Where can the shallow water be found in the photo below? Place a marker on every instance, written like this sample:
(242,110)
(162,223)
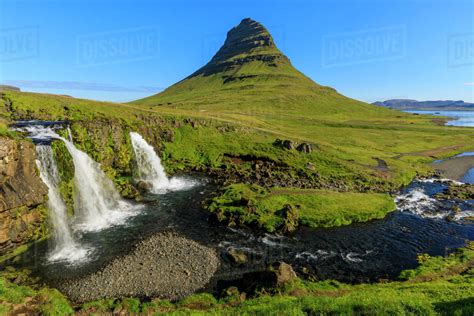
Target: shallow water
(460,118)
(469,177)
(354,253)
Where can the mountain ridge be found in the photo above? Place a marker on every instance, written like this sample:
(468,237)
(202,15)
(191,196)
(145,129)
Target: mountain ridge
(410,104)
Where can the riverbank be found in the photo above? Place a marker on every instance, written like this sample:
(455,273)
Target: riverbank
(455,168)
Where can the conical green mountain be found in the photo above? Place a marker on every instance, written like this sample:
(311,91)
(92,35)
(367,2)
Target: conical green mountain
(250,74)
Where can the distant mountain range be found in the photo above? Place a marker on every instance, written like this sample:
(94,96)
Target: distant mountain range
(407,104)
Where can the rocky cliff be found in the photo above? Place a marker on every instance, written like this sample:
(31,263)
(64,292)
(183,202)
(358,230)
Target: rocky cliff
(22,193)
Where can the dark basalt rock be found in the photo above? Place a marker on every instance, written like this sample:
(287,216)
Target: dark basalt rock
(277,275)
(304,148)
(286,144)
(247,42)
(144,186)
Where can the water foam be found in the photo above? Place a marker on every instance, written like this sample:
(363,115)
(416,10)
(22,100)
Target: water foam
(151,171)
(65,247)
(97,204)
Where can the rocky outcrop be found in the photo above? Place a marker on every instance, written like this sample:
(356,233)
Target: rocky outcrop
(22,194)
(305,148)
(248,42)
(290,145)
(277,275)
(285,144)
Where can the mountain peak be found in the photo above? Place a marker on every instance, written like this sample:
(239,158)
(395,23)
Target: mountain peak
(247,42)
(243,38)
(248,69)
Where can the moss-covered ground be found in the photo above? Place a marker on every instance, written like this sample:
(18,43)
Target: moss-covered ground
(283,209)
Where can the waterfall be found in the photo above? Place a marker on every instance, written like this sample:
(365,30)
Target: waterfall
(97,204)
(149,167)
(69,133)
(65,247)
(151,171)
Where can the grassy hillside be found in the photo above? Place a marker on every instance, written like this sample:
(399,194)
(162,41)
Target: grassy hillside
(250,82)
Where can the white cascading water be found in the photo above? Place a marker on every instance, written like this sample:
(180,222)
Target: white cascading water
(97,205)
(151,171)
(69,134)
(96,202)
(65,247)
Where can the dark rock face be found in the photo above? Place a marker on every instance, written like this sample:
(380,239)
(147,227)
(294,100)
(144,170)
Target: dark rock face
(249,41)
(21,194)
(246,36)
(277,275)
(144,186)
(304,148)
(286,144)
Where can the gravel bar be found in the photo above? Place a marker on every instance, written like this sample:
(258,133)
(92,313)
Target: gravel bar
(164,266)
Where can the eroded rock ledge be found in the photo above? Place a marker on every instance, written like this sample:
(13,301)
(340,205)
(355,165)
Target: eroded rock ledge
(22,194)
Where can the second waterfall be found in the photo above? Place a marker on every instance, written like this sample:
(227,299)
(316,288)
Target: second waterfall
(150,171)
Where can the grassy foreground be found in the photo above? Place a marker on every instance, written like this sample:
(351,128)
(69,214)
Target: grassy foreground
(439,286)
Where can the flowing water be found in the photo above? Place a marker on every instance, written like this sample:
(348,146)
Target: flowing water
(97,204)
(65,248)
(151,171)
(355,253)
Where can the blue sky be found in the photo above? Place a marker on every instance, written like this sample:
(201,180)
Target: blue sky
(123,50)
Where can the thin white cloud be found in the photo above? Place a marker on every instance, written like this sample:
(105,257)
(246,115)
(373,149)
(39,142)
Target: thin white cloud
(469,84)
(73,85)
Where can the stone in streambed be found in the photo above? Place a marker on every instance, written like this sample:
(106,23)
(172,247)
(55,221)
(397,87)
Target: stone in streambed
(237,256)
(144,186)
